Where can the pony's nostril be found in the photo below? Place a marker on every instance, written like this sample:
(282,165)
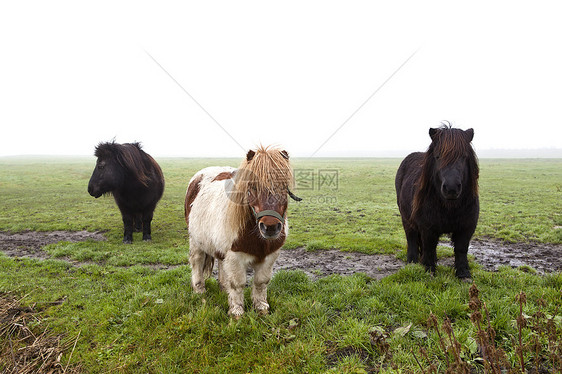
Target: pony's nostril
(262,227)
(278,227)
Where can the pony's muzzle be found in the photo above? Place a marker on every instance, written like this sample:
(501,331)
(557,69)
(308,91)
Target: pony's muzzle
(451,191)
(94,192)
(270,223)
(270,228)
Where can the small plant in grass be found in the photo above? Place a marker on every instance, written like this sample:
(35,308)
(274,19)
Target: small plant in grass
(379,340)
(493,358)
(537,346)
(450,348)
(545,339)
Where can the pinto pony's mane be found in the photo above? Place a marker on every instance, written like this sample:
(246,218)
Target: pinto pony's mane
(448,145)
(130,157)
(266,170)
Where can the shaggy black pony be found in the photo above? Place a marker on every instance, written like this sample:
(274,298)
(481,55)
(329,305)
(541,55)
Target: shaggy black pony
(134,179)
(437,193)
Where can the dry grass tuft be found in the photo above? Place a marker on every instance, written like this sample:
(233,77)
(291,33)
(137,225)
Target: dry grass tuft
(26,347)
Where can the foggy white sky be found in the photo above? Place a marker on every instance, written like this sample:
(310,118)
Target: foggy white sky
(73,74)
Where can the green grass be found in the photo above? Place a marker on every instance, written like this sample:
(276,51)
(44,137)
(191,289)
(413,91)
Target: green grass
(134,318)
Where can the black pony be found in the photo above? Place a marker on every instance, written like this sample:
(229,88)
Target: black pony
(437,193)
(135,180)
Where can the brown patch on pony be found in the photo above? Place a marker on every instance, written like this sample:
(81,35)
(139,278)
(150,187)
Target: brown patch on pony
(190,195)
(251,242)
(222,176)
(264,171)
(449,145)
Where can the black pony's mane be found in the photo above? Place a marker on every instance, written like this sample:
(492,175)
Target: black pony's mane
(130,157)
(448,145)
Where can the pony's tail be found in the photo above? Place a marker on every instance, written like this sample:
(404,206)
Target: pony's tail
(208,266)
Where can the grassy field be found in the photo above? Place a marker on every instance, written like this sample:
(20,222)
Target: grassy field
(128,316)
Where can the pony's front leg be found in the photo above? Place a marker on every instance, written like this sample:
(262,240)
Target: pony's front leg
(429,250)
(234,281)
(461,242)
(128,220)
(262,276)
(221,276)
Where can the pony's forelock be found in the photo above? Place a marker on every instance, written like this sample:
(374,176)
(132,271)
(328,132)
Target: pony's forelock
(268,171)
(449,144)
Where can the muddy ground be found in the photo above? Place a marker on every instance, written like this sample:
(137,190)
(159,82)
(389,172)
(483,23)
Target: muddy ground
(544,258)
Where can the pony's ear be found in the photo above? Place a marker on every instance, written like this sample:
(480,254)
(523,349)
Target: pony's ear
(432,133)
(285,154)
(250,155)
(469,135)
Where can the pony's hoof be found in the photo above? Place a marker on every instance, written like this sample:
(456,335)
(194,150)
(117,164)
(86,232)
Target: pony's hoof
(262,308)
(199,288)
(430,269)
(236,312)
(466,280)
(148,239)
(127,241)
(464,275)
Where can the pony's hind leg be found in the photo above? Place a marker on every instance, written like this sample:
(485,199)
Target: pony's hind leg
(146,224)
(262,276)
(197,259)
(138,223)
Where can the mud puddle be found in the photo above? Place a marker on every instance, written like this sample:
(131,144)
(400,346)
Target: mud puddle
(30,243)
(322,263)
(544,258)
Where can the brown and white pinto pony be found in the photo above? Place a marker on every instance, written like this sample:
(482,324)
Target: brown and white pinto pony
(238,216)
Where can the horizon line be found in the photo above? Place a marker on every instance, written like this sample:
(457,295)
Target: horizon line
(484,153)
